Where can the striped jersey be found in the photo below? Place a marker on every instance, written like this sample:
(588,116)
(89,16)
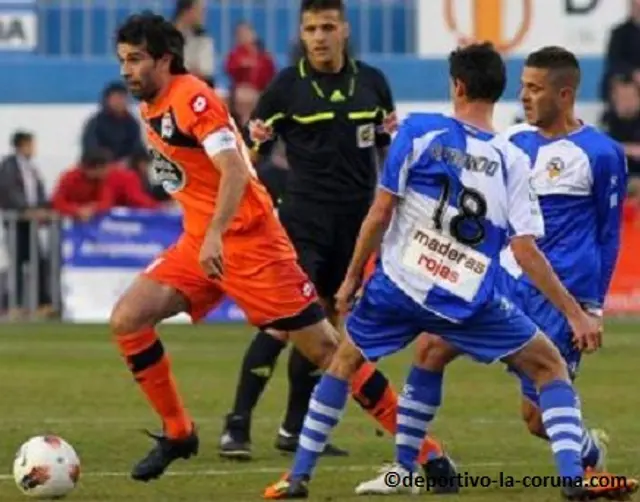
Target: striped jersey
(580,180)
(463,192)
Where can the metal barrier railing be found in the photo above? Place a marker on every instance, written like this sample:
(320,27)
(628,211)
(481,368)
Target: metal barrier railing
(30,286)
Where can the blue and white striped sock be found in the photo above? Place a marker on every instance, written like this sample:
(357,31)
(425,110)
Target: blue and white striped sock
(563,423)
(325,410)
(417,407)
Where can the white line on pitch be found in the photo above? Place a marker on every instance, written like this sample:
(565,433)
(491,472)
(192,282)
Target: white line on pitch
(462,468)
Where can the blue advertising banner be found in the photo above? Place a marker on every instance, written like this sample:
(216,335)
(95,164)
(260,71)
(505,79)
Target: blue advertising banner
(102,257)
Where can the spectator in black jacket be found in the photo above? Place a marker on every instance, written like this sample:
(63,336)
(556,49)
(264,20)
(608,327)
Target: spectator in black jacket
(622,120)
(113,127)
(623,53)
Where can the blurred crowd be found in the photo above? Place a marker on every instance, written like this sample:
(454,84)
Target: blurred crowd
(113,169)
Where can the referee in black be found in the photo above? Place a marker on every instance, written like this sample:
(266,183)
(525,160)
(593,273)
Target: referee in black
(333,114)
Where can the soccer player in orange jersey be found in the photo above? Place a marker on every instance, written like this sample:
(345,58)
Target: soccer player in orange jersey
(233,244)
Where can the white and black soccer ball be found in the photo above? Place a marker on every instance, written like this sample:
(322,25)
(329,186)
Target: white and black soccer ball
(46,467)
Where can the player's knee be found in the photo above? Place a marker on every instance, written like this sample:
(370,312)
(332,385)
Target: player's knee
(541,361)
(433,353)
(124,319)
(118,321)
(322,354)
(346,361)
(318,342)
(317,349)
(552,367)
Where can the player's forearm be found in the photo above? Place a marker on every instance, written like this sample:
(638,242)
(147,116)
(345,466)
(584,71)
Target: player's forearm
(369,240)
(536,266)
(233,183)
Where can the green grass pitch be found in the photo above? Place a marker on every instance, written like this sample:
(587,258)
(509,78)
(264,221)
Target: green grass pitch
(69,380)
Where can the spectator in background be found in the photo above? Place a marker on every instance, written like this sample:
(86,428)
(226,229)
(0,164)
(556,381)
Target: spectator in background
(140,163)
(249,64)
(621,120)
(199,49)
(623,52)
(22,191)
(245,98)
(113,128)
(97,185)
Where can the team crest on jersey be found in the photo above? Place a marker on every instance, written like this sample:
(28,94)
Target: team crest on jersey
(166,173)
(555,167)
(366,135)
(167,127)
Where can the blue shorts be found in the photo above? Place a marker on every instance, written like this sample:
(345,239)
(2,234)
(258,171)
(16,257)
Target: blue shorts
(550,321)
(506,284)
(385,320)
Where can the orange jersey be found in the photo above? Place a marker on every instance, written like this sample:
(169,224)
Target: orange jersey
(186,126)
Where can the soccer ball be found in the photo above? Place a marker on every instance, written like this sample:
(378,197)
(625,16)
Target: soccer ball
(46,467)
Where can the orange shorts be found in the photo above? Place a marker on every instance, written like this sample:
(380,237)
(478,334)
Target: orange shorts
(261,275)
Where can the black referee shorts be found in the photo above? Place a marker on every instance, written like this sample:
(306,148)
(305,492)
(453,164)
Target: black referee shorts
(324,237)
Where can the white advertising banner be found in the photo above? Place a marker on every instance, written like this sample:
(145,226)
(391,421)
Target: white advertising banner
(518,27)
(18,30)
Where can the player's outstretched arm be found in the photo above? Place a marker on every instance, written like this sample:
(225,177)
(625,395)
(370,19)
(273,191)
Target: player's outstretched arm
(369,240)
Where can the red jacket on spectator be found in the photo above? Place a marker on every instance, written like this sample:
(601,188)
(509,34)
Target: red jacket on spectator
(120,187)
(249,65)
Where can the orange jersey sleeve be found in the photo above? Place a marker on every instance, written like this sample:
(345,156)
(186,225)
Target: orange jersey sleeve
(186,129)
(201,113)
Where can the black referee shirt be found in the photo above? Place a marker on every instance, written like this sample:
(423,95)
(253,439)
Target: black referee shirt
(330,124)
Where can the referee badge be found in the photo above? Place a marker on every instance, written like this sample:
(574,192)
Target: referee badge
(366,135)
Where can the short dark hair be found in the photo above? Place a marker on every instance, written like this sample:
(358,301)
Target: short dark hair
(318,5)
(562,63)
(159,36)
(20,138)
(482,71)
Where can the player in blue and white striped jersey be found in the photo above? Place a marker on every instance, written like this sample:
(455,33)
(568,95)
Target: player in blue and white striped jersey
(580,177)
(450,194)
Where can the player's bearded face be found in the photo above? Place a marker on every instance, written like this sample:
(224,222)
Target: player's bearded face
(138,69)
(539,97)
(324,35)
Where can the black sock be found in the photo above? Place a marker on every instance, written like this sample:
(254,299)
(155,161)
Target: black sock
(303,377)
(257,368)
